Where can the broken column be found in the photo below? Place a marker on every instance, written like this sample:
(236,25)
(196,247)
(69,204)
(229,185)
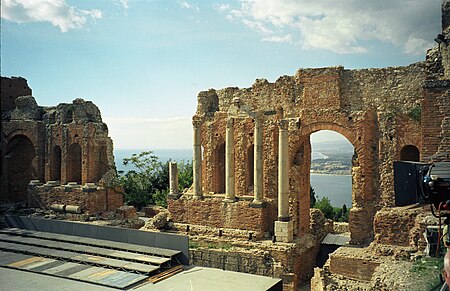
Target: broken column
(283,227)
(173,180)
(197,160)
(229,162)
(257,163)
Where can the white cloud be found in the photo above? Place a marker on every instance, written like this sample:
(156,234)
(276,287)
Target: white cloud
(187,5)
(342,26)
(285,38)
(150,133)
(57,12)
(256,26)
(124,3)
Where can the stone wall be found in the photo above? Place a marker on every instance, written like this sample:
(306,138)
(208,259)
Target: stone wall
(279,261)
(346,262)
(65,143)
(370,107)
(403,226)
(92,199)
(258,264)
(214,212)
(11,89)
(383,112)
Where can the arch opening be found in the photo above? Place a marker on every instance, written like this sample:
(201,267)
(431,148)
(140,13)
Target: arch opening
(219,173)
(101,163)
(74,163)
(250,168)
(410,153)
(56,163)
(19,156)
(333,158)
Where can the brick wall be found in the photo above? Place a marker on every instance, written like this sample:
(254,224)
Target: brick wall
(213,212)
(92,200)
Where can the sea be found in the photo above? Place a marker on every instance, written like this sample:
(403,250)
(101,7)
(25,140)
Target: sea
(338,188)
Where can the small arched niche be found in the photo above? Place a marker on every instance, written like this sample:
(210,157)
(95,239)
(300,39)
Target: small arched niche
(410,153)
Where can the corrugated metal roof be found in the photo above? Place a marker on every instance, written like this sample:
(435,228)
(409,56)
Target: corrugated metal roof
(84,273)
(336,239)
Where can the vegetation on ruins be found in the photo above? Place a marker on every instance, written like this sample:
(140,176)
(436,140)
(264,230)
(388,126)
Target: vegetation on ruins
(428,270)
(416,113)
(148,181)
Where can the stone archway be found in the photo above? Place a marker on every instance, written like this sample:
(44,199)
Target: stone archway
(74,163)
(301,180)
(19,155)
(410,153)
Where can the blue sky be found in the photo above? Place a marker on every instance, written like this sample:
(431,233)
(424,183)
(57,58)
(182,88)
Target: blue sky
(144,62)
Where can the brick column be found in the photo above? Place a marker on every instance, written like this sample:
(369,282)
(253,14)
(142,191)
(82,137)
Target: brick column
(229,162)
(257,163)
(197,160)
(283,227)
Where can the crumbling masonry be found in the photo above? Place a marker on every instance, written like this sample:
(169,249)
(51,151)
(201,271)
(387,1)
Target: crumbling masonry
(66,146)
(252,146)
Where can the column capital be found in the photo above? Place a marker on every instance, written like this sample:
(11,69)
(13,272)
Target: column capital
(283,124)
(196,123)
(230,122)
(258,119)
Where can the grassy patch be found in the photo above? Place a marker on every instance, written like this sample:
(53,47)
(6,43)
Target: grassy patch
(429,269)
(211,246)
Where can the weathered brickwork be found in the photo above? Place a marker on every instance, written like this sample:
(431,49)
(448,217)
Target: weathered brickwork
(403,227)
(388,114)
(215,213)
(92,200)
(262,259)
(367,106)
(64,143)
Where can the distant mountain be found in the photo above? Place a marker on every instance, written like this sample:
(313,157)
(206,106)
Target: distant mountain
(335,147)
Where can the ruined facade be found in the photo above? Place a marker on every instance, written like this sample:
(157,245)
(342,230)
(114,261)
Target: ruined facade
(252,146)
(272,124)
(67,143)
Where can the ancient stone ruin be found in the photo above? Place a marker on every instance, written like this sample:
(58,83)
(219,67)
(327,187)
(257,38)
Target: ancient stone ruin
(60,154)
(252,150)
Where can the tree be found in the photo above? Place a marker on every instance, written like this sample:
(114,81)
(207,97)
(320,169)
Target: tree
(345,213)
(185,175)
(312,197)
(344,208)
(325,206)
(150,176)
(149,182)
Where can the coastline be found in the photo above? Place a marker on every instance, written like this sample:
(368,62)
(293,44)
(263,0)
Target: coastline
(328,174)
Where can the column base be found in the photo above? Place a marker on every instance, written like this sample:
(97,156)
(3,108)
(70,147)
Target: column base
(197,197)
(174,196)
(229,200)
(284,231)
(258,204)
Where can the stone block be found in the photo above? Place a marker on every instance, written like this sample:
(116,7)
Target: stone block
(284,231)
